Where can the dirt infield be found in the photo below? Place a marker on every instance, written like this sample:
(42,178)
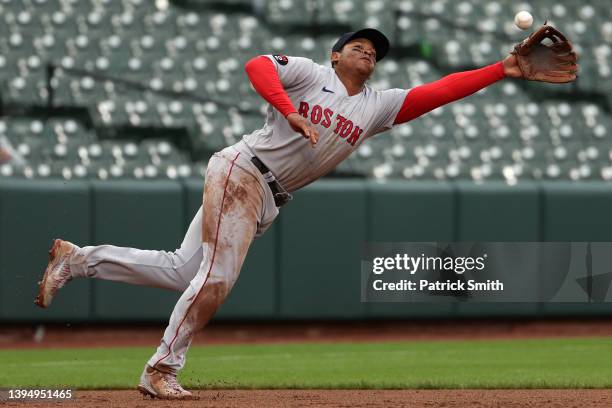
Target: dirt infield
(282,332)
(344,398)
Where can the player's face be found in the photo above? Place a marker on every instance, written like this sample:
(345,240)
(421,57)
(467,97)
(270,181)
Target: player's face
(359,54)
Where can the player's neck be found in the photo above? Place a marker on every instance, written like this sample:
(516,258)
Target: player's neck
(353,83)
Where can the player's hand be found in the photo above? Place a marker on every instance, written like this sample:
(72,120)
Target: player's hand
(301,125)
(511,68)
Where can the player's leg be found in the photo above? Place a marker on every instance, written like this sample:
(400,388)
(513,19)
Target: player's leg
(234,203)
(168,270)
(162,269)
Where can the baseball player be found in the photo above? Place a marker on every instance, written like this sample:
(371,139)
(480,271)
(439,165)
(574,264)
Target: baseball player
(317,117)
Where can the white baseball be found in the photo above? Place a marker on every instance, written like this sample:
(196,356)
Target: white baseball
(523,20)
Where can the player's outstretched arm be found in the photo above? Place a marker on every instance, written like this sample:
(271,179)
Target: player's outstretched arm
(427,97)
(533,59)
(265,80)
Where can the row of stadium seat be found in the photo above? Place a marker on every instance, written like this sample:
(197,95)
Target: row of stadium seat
(444,144)
(67,149)
(144,64)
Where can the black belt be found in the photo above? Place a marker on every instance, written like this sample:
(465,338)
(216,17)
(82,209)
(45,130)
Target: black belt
(281,197)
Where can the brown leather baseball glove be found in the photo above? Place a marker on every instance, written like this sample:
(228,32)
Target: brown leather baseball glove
(547,61)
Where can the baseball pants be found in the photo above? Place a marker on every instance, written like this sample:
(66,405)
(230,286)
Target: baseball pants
(237,207)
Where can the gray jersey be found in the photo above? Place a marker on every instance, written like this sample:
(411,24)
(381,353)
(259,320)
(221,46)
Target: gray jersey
(343,122)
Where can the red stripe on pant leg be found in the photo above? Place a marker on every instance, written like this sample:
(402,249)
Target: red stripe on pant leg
(211,261)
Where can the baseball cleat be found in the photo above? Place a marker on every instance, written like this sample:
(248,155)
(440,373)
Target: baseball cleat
(157,384)
(57,272)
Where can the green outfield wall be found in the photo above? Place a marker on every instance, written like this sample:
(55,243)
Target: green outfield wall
(307,265)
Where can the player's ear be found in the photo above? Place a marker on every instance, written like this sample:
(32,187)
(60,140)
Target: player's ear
(335,56)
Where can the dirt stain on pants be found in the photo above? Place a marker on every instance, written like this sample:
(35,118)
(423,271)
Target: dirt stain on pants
(233,204)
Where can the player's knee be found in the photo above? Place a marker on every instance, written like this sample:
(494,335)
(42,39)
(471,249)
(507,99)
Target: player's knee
(219,285)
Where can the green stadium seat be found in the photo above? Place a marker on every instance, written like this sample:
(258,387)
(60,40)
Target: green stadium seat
(289,12)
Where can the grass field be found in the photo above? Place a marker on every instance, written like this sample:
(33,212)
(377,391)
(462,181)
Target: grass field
(542,363)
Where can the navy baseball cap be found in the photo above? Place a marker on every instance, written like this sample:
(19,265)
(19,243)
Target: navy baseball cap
(380,42)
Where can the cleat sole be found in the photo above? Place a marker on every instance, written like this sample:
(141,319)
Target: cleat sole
(40,298)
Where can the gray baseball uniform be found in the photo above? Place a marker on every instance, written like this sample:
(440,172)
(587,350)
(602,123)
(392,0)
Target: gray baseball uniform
(238,204)
(343,122)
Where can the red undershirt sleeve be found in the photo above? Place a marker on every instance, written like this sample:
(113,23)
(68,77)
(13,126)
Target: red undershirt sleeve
(264,77)
(427,97)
